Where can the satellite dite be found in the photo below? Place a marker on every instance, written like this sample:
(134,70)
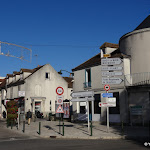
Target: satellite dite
(17,51)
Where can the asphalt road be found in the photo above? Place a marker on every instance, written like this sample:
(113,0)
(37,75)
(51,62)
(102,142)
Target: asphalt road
(59,144)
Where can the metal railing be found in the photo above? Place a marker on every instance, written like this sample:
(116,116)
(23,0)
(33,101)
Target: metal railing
(87,84)
(135,79)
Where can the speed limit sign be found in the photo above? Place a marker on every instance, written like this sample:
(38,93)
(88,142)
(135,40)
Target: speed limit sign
(59,90)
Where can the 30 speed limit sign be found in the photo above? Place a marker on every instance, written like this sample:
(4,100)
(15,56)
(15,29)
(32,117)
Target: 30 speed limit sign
(59,90)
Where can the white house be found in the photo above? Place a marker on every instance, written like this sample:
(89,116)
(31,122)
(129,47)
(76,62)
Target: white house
(38,87)
(88,77)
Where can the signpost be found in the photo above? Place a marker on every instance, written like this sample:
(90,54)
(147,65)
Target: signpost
(83,94)
(111,61)
(111,68)
(112,74)
(107,94)
(59,92)
(60,99)
(111,80)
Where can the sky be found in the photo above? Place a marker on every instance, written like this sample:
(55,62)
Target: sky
(64,33)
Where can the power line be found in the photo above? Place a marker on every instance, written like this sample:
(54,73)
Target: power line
(47,45)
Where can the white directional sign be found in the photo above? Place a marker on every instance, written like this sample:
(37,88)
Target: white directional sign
(106,105)
(83,99)
(106,68)
(111,61)
(112,74)
(83,94)
(21,93)
(111,80)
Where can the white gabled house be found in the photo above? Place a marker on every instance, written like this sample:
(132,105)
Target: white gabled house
(38,86)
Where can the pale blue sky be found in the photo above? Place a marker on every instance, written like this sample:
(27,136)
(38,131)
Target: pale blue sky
(65,33)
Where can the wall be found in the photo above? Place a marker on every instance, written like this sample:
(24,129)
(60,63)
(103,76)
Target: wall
(137,45)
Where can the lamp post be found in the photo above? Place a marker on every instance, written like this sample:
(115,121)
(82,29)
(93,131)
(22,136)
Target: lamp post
(60,72)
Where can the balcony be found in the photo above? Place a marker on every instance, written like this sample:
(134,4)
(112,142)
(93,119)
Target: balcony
(87,84)
(137,79)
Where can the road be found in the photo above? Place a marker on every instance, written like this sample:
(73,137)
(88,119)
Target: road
(59,144)
(10,140)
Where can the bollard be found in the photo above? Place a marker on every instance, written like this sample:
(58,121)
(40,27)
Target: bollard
(63,129)
(122,127)
(7,124)
(91,129)
(11,124)
(23,126)
(39,128)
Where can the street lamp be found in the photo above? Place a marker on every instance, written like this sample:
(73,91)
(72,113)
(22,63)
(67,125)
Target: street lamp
(60,72)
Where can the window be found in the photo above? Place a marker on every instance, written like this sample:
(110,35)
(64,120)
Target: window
(115,110)
(47,75)
(82,107)
(87,78)
(97,109)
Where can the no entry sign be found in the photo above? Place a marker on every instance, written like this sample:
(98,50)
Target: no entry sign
(107,87)
(59,90)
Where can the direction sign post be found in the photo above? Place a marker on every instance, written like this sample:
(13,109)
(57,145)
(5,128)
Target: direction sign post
(111,61)
(111,80)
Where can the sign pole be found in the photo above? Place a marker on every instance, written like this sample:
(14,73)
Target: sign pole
(107,119)
(88,115)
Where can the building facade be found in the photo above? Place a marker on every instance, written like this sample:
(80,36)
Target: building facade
(35,89)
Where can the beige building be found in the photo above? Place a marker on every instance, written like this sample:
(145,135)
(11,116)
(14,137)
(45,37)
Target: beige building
(37,88)
(88,77)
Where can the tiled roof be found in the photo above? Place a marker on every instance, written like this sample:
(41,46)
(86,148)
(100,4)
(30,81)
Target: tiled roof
(26,70)
(96,60)
(69,80)
(112,45)
(16,73)
(9,75)
(2,85)
(144,24)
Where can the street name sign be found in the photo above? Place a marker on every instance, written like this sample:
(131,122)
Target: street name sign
(111,61)
(106,68)
(83,94)
(111,80)
(112,74)
(107,95)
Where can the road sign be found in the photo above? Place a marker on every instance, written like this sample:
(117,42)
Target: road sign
(106,68)
(111,61)
(83,99)
(21,93)
(101,104)
(106,55)
(59,109)
(60,99)
(106,87)
(83,94)
(59,90)
(111,80)
(111,100)
(107,95)
(112,74)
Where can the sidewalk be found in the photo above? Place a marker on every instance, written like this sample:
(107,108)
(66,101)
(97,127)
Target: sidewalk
(80,131)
